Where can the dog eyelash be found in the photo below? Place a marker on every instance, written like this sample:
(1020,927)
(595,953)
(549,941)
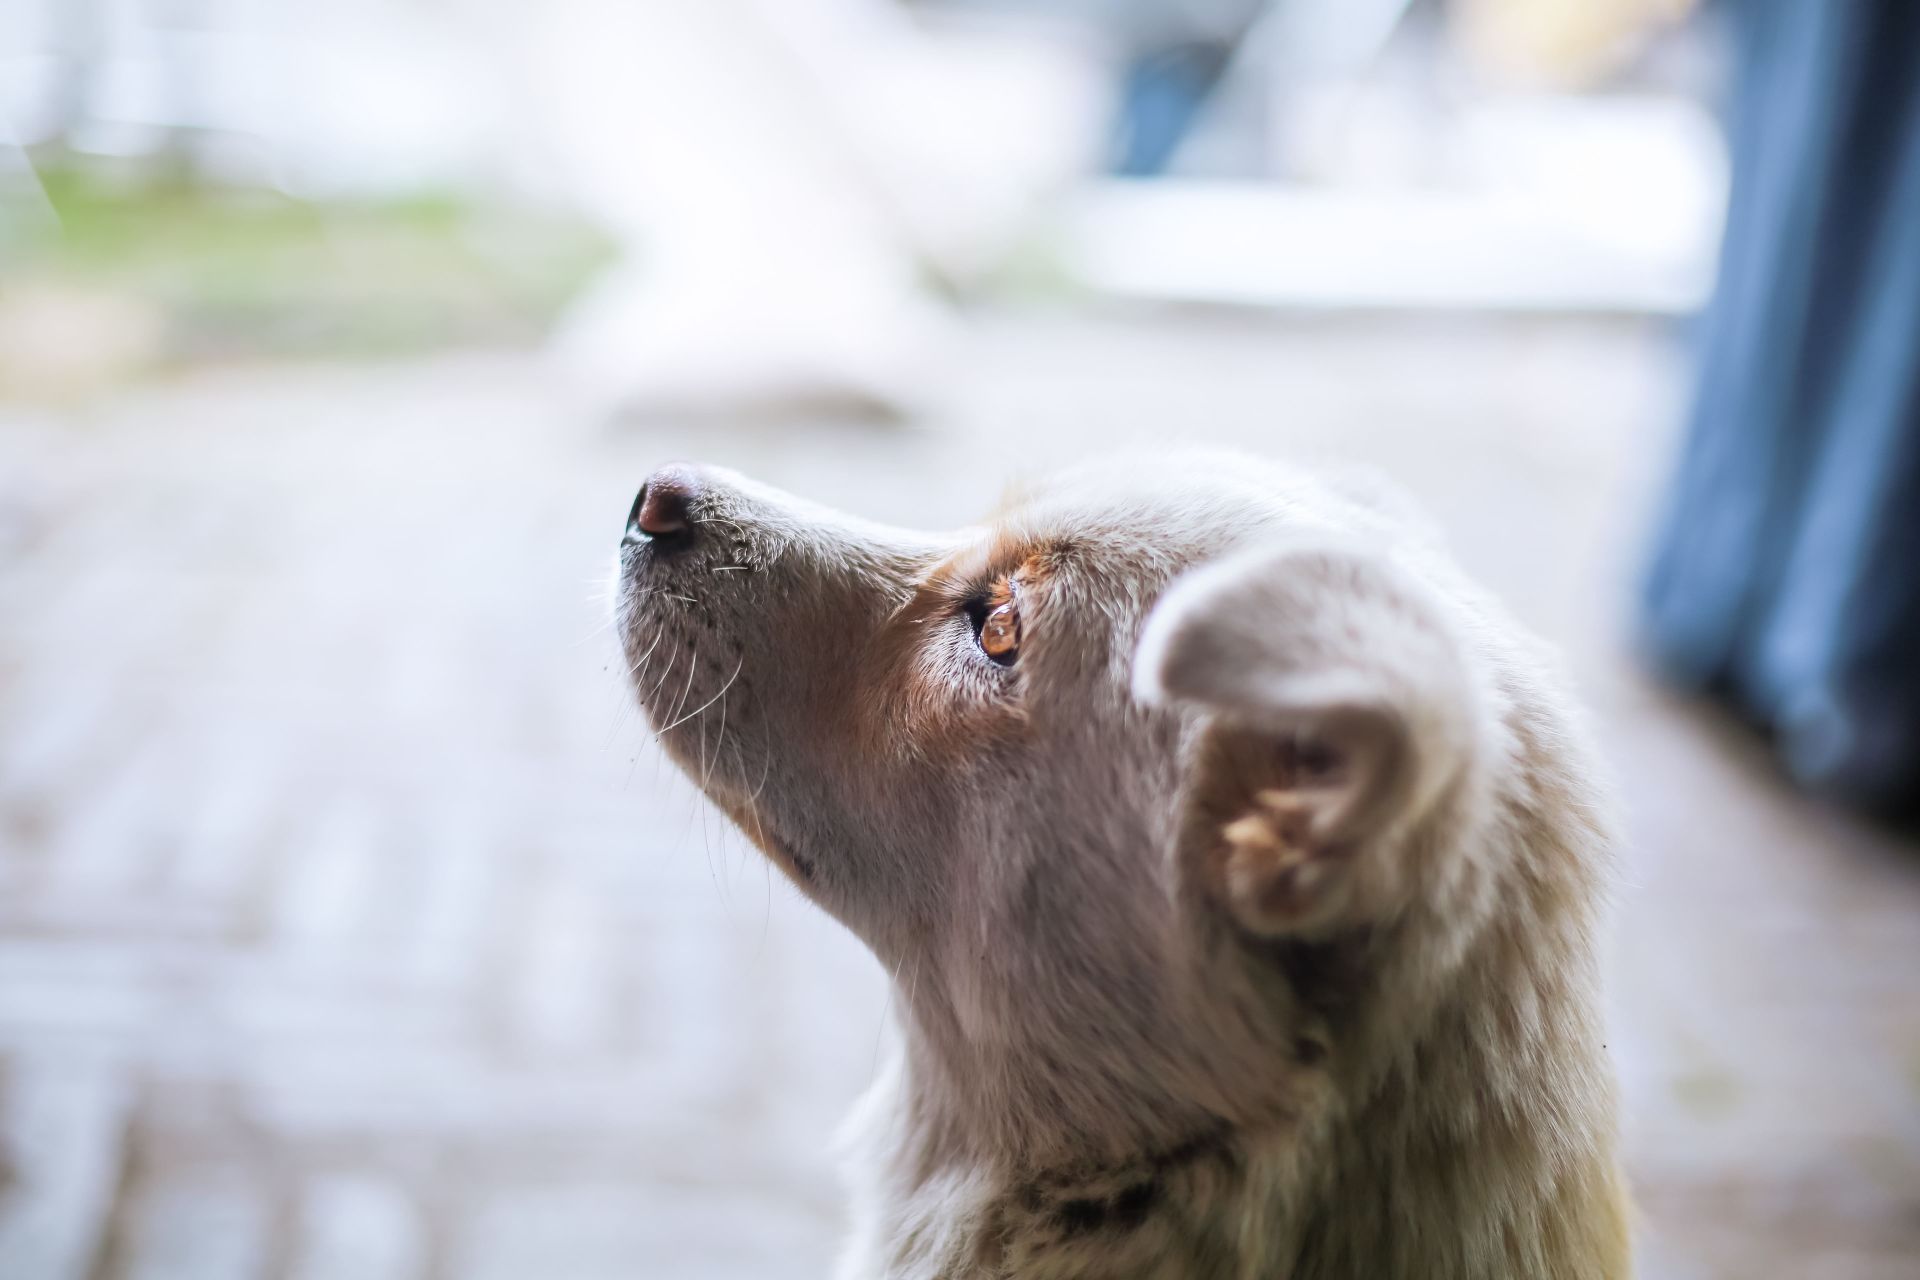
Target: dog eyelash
(994,615)
(976,608)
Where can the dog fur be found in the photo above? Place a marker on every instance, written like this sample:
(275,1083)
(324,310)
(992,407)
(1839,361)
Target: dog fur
(1246,926)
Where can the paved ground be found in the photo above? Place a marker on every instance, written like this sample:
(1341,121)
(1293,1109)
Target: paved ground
(349,930)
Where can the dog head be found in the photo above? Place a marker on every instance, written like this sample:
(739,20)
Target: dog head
(1102,782)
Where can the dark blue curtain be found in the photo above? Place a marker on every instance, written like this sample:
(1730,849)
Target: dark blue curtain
(1786,575)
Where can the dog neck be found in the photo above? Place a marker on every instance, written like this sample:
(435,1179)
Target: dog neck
(1306,1200)
(1207,1204)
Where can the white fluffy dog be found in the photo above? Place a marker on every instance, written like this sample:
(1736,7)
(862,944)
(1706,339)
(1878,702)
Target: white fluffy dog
(1239,862)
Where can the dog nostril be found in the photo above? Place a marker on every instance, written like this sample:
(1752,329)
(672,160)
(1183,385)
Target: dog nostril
(633,515)
(661,510)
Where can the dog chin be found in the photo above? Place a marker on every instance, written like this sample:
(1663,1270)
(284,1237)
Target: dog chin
(778,850)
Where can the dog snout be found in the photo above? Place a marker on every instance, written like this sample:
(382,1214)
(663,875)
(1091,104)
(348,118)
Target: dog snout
(662,511)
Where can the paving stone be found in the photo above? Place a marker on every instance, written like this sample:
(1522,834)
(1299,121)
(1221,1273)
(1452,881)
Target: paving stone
(62,1119)
(201,1226)
(358,1227)
(612,1232)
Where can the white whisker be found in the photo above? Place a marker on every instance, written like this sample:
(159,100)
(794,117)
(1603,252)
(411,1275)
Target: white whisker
(766,769)
(723,520)
(680,720)
(665,672)
(720,738)
(686,690)
(634,672)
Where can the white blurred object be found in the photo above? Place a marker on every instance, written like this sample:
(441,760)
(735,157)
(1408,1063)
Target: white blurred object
(353,96)
(957,128)
(1544,204)
(1562,43)
(780,173)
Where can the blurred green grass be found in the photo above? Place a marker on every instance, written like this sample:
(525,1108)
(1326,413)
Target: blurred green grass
(239,273)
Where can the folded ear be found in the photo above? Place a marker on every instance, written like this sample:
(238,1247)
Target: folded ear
(1341,708)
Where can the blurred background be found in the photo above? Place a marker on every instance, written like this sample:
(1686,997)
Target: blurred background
(351,926)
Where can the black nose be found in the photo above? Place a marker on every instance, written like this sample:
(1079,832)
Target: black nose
(662,510)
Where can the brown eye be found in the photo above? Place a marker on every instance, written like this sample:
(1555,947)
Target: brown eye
(1000,634)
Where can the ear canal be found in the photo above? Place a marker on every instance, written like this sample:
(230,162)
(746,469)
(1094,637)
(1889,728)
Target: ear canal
(1353,768)
(1340,707)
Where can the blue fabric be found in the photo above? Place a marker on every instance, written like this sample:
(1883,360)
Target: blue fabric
(1786,575)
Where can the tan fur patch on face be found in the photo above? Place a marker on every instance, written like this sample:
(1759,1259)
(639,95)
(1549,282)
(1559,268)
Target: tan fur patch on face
(932,701)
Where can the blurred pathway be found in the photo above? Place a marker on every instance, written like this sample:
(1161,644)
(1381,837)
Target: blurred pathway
(351,929)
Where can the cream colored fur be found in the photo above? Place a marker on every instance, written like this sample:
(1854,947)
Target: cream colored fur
(1245,927)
